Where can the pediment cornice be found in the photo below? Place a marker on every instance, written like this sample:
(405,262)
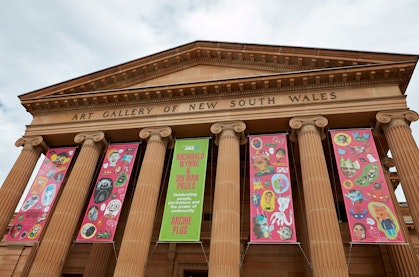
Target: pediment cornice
(292,68)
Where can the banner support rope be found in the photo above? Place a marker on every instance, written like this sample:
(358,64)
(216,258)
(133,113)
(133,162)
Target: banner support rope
(205,255)
(305,256)
(114,251)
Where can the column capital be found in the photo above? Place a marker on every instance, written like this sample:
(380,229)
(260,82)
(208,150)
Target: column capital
(158,134)
(236,127)
(32,142)
(308,123)
(96,137)
(393,118)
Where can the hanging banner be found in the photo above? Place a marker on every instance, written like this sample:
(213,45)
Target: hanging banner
(271,205)
(103,211)
(369,207)
(185,193)
(33,215)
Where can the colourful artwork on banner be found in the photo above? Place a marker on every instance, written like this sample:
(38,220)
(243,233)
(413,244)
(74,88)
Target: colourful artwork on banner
(185,193)
(369,207)
(33,215)
(103,211)
(271,205)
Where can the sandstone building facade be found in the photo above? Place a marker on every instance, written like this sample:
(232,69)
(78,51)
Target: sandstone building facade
(225,91)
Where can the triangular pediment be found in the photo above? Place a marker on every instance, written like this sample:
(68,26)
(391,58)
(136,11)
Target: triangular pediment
(205,67)
(202,73)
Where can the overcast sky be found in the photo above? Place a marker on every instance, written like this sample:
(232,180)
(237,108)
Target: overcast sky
(45,42)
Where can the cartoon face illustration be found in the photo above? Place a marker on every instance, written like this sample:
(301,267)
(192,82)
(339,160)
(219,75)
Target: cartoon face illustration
(355,196)
(103,190)
(358,212)
(112,209)
(255,199)
(285,233)
(378,194)
(261,163)
(15,230)
(342,139)
(387,222)
(359,231)
(35,231)
(93,213)
(122,178)
(60,158)
(279,155)
(349,168)
(113,157)
(261,228)
(268,201)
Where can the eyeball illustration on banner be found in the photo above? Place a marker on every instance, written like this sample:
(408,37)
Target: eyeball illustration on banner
(88,231)
(113,208)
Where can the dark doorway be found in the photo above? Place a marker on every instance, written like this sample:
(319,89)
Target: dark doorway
(195,273)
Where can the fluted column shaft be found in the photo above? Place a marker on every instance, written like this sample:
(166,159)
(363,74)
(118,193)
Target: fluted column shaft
(139,228)
(15,183)
(405,153)
(59,234)
(97,264)
(224,257)
(402,256)
(326,247)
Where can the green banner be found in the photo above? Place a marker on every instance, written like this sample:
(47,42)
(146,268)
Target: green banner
(185,193)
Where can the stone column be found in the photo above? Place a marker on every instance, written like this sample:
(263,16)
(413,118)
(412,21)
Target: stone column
(395,125)
(60,231)
(139,228)
(98,261)
(402,256)
(326,247)
(15,183)
(224,257)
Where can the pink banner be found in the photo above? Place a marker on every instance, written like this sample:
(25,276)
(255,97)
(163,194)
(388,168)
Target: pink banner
(101,218)
(271,205)
(369,207)
(33,215)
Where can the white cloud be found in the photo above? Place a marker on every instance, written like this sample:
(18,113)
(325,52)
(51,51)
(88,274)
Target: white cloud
(45,42)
